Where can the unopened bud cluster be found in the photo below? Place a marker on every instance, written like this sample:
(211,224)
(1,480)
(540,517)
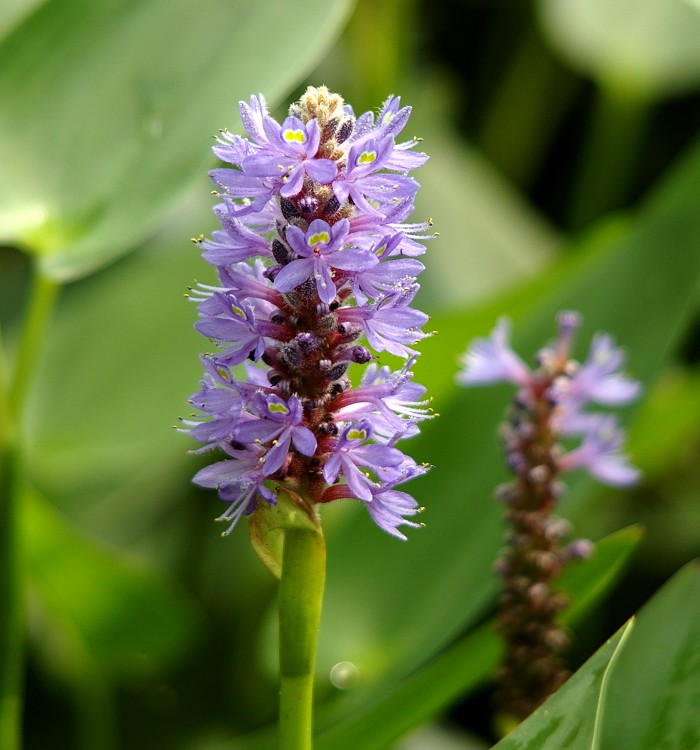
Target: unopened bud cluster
(547,412)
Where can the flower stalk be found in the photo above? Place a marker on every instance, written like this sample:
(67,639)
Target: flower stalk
(300,600)
(547,414)
(314,253)
(13,395)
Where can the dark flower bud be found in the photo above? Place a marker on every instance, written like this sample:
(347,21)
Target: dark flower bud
(271,272)
(308,205)
(331,207)
(337,371)
(289,210)
(307,341)
(281,253)
(345,130)
(329,129)
(349,331)
(361,355)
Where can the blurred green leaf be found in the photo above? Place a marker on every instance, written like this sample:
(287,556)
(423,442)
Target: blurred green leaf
(668,424)
(90,605)
(94,154)
(460,668)
(490,239)
(644,48)
(652,688)
(120,364)
(13,12)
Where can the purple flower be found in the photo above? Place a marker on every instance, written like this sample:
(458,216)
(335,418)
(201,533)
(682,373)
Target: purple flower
(314,251)
(598,379)
(239,481)
(226,320)
(291,148)
(277,421)
(600,455)
(492,360)
(387,506)
(321,249)
(390,324)
(351,452)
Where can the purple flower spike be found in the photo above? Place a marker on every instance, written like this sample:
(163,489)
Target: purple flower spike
(314,252)
(561,389)
(549,407)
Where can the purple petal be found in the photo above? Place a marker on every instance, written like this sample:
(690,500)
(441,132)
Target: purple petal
(321,170)
(304,440)
(277,454)
(324,282)
(294,274)
(492,360)
(353,259)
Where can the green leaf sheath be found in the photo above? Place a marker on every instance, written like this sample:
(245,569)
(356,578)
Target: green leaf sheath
(300,599)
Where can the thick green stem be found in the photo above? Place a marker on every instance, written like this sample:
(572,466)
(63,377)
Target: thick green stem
(13,392)
(300,600)
(41,305)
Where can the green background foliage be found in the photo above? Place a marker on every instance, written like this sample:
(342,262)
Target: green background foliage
(564,174)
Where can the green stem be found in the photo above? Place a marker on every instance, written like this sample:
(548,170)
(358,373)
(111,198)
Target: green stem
(300,599)
(13,393)
(43,297)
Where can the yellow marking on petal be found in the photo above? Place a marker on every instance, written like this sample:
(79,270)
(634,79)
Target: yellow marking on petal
(278,408)
(318,238)
(367,157)
(294,136)
(237,311)
(357,435)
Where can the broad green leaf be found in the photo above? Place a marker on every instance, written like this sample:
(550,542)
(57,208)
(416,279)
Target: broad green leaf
(91,605)
(425,591)
(489,238)
(668,422)
(463,666)
(119,365)
(13,12)
(641,48)
(655,691)
(647,699)
(104,130)
(570,719)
